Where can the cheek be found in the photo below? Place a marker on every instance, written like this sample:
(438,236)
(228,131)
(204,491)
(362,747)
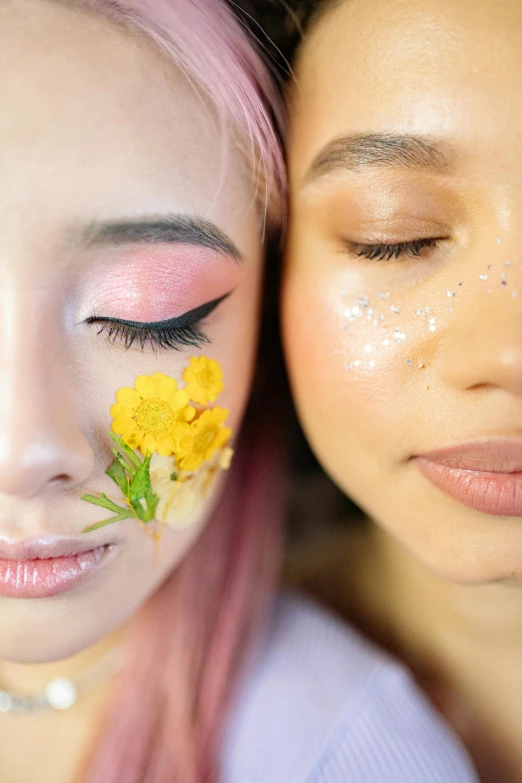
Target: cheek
(347,365)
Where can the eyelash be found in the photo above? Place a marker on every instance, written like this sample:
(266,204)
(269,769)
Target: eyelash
(159,339)
(174,334)
(387,252)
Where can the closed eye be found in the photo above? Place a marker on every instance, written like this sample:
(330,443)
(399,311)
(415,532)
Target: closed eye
(389,252)
(171,334)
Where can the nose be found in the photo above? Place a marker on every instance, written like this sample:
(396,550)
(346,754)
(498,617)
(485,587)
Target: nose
(42,447)
(484,348)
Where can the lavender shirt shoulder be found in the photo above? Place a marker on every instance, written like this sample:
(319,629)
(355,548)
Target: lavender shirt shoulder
(323,705)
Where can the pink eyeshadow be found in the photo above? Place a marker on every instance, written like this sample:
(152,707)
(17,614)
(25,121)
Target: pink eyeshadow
(160,282)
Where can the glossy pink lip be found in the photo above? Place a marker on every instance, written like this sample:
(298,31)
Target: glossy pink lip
(485,475)
(41,568)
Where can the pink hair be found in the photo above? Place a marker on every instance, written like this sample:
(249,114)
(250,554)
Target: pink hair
(190,639)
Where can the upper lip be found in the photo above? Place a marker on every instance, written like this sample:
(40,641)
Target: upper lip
(47,547)
(499,455)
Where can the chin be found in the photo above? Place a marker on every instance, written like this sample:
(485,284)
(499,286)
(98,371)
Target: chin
(472,562)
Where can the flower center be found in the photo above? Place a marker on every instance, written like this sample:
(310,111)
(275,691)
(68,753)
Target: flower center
(155,416)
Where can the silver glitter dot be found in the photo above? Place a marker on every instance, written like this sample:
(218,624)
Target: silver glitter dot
(499,241)
(372,363)
(343,293)
(483,277)
(357,363)
(395,309)
(432,328)
(490,267)
(427,309)
(381,318)
(368,348)
(362,301)
(386,342)
(432,320)
(507,263)
(408,361)
(514,294)
(503,282)
(385,295)
(6,702)
(402,336)
(397,329)
(421,312)
(449,309)
(448,293)
(349,366)
(376,322)
(460,282)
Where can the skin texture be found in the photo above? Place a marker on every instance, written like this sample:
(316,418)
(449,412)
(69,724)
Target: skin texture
(445,576)
(118,134)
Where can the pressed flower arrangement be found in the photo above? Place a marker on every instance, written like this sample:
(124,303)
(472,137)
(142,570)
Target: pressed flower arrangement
(182,446)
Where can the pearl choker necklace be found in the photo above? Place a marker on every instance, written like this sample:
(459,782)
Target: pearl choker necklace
(62,693)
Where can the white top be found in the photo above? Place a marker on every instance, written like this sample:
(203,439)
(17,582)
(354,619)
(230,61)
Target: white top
(321,704)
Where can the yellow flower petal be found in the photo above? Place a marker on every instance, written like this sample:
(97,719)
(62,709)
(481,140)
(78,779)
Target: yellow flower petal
(164,386)
(144,386)
(165,445)
(121,411)
(187,413)
(122,425)
(148,444)
(129,397)
(179,399)
(133,438)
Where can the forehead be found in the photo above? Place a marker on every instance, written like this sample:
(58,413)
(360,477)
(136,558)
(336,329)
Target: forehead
(105,118)
(417,66)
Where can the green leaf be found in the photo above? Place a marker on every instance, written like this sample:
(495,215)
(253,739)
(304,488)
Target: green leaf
(127,467)
(126,450)
(103,501)
(125,514)
(118,473)
(141,489)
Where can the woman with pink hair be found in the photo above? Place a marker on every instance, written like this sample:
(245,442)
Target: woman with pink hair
(141,172)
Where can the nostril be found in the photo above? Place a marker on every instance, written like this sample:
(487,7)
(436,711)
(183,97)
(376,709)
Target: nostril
(61,478)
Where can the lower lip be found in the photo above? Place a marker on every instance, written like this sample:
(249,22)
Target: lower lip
(499,494)
(50,576)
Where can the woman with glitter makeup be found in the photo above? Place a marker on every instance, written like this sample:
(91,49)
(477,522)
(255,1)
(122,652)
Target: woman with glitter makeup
(402,310)
(140,172)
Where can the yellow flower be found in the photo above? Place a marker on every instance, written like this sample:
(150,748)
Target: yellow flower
(205,435)
(204,380)
(154,415)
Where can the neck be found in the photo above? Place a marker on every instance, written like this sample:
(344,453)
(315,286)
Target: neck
(464,643)
(444,620)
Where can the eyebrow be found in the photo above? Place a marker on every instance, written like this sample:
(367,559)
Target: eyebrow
(178,229)
(355,151)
